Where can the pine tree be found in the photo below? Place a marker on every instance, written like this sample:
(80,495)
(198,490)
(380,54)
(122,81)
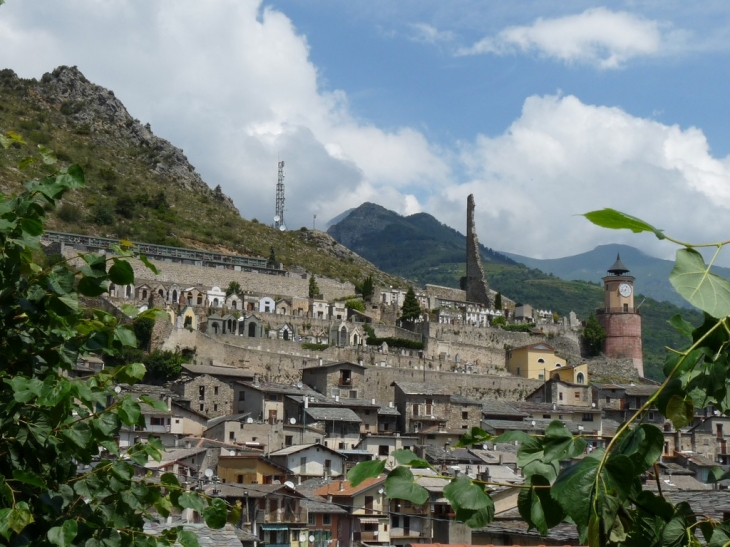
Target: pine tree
(367,288)
(411,308)
(313,287)
(271,262)
(593,336)
(498,301)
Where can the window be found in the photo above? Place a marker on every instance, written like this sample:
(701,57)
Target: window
(239,479)
(202,407)
(383,450)
(415,409)
(312,519)
(608,400)
(541,360)
(302,464)
(580,378)
(587,417)
(215,390)
(368,505)
(626,308)
(430,437)
(429,406)
(577,394)
(201,393)
(541,376)
(157,421)
(241,395)
(289,440)
(215,407)
(327,465)
(465,415)
(560,396)
(327,519)
(231,436)
(547,416)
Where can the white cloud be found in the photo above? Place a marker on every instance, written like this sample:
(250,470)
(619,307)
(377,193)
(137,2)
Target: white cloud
(428,34)
(598,36)
(562,158)
(232,84)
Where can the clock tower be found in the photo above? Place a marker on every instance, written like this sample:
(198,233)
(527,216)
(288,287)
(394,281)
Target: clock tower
(619,318)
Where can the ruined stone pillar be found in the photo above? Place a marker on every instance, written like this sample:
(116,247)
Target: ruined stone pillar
(477,289)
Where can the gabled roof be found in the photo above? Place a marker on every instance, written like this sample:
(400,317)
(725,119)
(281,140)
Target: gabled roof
(618,267)
(539,346)
(419,388)
(322,414)
(343,488)
(317,504)
(285,389)
(300,447)
(217,370)
(229,418)
(497,407)
(462,400)
(330,365)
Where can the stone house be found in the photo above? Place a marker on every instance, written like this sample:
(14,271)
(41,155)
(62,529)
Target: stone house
(343,379)
(421,405)
(562,393)
(586,418)
(536,361)
(266,401)
(388,419)
(284,306)
(241,429)
(382,446)
(207,394)
(310,460)
(367,507)
(251,468)
(322,519)
(341,426)
(620,401)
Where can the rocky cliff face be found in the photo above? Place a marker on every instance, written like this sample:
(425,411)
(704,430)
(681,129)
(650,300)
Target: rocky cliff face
(96,109)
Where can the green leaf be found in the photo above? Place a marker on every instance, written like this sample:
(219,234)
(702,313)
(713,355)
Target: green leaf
(643,445)
(79,434)
(476,435)
(28,477)
(156,404)
(365,470)
(20,517)
(573,489)
(536,506)
(188,539)
(63,535)
(692,280)
(121,272)
(25,162)
(131,373)
(407,457)
(616,220)
(511,436)
(463,493)
(72,177)
(49,158)
(149,264)
(170,481)
(682,325)
(129,411)
(476,518)
(190,500)
(216,514)
(401,484)
(680,410)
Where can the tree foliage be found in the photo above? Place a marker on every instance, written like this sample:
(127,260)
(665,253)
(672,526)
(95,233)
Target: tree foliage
(234,287)
(50,422)
(355,305)
(366,289)
(602,492)
(411,309)
(313,287)
(498,301)
(593,336)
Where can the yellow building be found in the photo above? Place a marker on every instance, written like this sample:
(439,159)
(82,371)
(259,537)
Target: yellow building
(535,361)
(250,469)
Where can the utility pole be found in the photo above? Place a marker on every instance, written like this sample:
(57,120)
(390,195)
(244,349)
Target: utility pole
(279,215)
(314,221)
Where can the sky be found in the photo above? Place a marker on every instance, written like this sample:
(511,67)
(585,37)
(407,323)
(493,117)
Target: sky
(542,109)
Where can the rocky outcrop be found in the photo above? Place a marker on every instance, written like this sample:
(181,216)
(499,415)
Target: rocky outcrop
(477,289)
(96,109)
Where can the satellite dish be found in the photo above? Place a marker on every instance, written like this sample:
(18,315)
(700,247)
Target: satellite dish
(209,473)
(277,218)
(249,420)
(289,484)
(117,389)
(292,421)
(299,385)
(311,539)
(282,228)
(302,537)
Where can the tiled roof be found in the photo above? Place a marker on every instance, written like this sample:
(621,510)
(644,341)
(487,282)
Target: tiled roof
(343,488)
(317,504)
(319,414)
(418,388)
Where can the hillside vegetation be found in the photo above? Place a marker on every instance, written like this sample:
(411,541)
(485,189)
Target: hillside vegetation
(139,186)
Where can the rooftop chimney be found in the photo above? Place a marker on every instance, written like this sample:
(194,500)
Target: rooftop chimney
(342,486)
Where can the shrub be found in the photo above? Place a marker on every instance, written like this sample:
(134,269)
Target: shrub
(69,212)
(314,347)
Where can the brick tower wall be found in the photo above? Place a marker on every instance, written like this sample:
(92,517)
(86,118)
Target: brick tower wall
(623,337)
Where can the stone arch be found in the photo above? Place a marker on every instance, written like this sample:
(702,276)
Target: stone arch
(580,378)
(355,339)
(252,330)
(161,293)
(541,360)
(199,300)
(144,294)
(215,302)
(214,324)
(174,295)
(343,336)
(112,289)
(190,298)
(285,334)
(128,291)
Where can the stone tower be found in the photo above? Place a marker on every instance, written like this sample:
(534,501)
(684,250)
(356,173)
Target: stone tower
(477,289)
(619,318)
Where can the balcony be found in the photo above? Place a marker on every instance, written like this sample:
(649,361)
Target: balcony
(366,536)
(406,533)
(282,517)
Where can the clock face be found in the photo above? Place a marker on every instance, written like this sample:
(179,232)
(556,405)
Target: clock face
(624,289)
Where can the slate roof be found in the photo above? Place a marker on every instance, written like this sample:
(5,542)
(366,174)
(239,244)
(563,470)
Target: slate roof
(496,407)
(299,447)
(462,400)
(386,410)
(229,418)
(207,537)
(419,388)
(286,389)
(330,365)
(544,408)
(321,414)
(317,504)
(217,370)
(343,488)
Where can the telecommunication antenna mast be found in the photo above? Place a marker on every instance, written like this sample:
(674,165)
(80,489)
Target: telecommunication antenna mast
(279,216)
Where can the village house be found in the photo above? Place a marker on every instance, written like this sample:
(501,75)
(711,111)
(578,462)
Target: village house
(341,425)
(310,460)
(251,467)
(323,519)
(367,508)
(342,379)
(536,361)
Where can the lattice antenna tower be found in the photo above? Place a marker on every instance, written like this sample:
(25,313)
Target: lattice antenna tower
(279,215)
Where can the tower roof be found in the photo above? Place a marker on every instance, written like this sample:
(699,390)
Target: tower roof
(618,267)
